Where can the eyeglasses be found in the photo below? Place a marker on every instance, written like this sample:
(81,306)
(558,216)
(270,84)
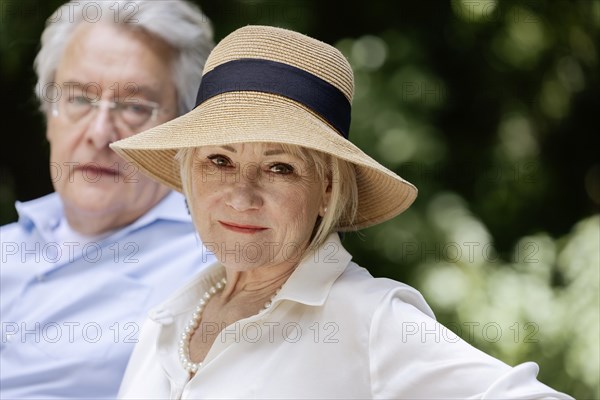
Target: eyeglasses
(135,112)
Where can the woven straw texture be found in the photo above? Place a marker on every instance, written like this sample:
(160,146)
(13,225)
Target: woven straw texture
(243,117)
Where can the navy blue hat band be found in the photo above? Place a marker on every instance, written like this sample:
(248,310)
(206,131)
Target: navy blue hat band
(281,79)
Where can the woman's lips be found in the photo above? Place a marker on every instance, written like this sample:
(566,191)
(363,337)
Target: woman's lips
(242,228)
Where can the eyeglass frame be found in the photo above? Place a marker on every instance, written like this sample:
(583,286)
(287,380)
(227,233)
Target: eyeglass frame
(113,105)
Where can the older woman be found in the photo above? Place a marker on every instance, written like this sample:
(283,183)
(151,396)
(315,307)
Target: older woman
(270,177)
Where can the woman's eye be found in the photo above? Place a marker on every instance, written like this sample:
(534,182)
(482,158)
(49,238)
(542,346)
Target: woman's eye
(220,161)
(280,168)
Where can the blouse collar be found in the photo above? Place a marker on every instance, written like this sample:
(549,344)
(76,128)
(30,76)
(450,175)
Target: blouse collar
(309,284)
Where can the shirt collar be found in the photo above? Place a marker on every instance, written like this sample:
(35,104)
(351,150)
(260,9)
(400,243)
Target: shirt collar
(309,284)
(171,208)
(45,213)
(189,295)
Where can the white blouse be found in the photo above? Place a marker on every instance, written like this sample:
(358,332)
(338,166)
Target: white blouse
(333,331)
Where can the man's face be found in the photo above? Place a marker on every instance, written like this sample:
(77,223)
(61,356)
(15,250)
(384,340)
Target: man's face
(103,62)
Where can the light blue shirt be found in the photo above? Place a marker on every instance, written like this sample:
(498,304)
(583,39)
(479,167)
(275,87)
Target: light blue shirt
(71,311)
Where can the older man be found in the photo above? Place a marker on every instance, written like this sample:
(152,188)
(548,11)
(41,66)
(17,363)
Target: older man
(82,266)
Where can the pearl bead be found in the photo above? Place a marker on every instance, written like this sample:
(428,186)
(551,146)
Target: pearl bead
(194,322)
(192,325)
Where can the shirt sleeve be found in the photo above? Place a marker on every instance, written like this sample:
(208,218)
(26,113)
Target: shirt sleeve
(413,356)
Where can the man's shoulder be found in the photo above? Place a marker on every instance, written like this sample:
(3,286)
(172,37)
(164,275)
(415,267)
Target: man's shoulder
(10,232)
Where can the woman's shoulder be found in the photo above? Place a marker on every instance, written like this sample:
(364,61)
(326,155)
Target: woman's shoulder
(358,286)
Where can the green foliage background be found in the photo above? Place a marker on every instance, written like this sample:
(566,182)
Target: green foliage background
(487,107)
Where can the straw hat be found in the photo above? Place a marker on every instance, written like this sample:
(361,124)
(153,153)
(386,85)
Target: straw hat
(266,84)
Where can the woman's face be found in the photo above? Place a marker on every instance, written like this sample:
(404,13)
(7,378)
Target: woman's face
(254,204)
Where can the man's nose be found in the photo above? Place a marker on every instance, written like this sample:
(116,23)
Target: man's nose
(102,130)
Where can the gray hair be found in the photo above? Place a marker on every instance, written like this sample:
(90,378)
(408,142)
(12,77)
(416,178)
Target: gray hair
(178,23)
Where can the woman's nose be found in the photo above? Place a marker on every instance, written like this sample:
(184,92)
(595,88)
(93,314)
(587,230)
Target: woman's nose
(244,196)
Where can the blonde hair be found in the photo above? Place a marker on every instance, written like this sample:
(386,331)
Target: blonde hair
(343,201)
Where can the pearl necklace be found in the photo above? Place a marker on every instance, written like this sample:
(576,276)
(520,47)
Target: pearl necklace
(194,322)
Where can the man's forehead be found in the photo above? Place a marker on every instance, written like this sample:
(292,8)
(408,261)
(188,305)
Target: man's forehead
(114,58)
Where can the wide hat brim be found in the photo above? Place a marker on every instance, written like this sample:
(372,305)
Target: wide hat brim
(244,117)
